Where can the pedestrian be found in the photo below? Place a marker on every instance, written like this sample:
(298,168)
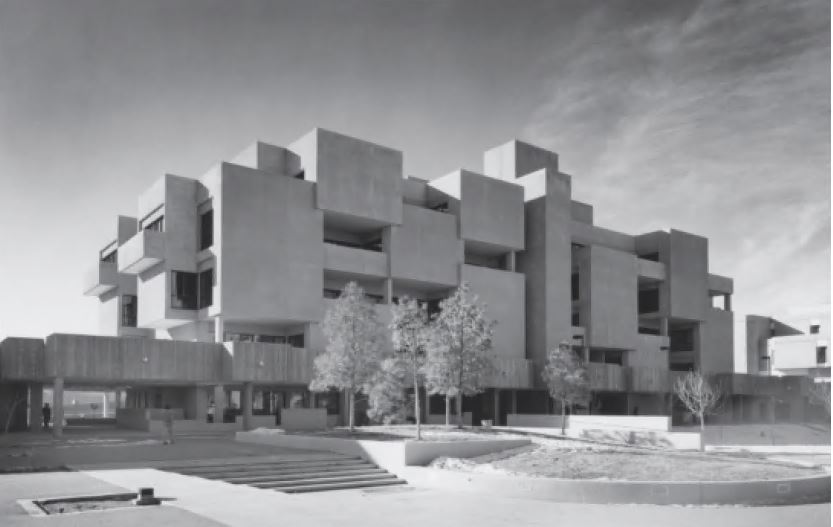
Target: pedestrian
(169,425)
(210,415)
(46,412)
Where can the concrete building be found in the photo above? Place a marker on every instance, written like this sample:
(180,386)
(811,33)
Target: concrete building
(214,291)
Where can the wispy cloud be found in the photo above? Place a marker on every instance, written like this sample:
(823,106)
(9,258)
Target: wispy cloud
(714,120)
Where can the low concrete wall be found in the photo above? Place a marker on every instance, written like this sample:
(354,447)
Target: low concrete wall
(439,419)
(133,418)
(656,423)
(258,421)
(757,492)
(675,440)
(391,455)
(304,419)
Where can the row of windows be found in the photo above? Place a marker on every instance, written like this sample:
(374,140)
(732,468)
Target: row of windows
(296,341)
(206,239)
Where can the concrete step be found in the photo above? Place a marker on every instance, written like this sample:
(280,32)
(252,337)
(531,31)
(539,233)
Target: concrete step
(297,475)
(257,462)
(239,469)
(324,480)
(342,486)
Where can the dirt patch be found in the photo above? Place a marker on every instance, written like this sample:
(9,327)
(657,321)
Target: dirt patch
(403,432)
(93,503)
(602,463)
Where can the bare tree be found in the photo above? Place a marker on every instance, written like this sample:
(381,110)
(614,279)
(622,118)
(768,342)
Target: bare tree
(566,379)
(11,408)
(820,395)
(698,396)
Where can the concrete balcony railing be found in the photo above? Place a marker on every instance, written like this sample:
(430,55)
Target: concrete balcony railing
(650,269)
(101,278)
(511,373)
(141,252)
(607,377)
(268,363)
(355,260)
(650,380)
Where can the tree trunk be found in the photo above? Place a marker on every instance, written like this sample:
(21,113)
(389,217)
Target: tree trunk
(702,432)
(351,404)
(416,407)
(459,410)
(563,418)
(11,409)
(447,411)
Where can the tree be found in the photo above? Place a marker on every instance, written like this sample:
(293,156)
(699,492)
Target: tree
(697,395)
(566,379)
(460,339)
(387,401)
(409,328)
(820,395)
(354,347)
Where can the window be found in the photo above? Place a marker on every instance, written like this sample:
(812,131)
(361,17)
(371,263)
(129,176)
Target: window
(648,300)
(109,257)
(206,288)
(654,257)
(156,225)
(206,229)
(574,285)
(299,175)
(129,308)
(821,354)
(332,293)
(329,400)
(814,329)
(183,290)
(296,341)
(648,331)
(441,207)
(575,319)
(682,339)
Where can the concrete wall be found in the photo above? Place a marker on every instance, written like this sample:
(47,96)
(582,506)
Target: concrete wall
(515,158)
(611,286)
(304,418)
(22,358)
(688,271)
(491,211)
(426,248)
(716,339)
(268,363)
(272,249)
(503,294)
(757,335)
(354,177)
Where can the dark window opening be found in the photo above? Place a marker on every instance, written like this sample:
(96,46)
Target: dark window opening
(682,366)
(183,290)
(206,288)
(109,257)
(654,257)
(156,225)
(330,401)
(373,245)
(376,299)
(441,207)
(481,260)
(574,286)
(332,293)
(206,229)
(648,300)
(814,329)
(271,339)
(575,320)
(129,309)
(296,341)
(821,355)
(230,336)
(681,339)
(648,331)
(299,175)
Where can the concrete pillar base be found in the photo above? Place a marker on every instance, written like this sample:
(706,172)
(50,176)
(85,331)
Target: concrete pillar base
(58,407)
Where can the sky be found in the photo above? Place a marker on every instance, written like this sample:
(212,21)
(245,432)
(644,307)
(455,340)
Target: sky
(712,117)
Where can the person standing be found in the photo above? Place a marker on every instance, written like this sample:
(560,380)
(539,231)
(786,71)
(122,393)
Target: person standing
(169,424)
(210,415)
(46,413)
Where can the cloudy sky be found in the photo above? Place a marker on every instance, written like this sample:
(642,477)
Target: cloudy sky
(708,116)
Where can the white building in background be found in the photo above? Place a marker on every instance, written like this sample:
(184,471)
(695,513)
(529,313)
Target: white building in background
(807,353)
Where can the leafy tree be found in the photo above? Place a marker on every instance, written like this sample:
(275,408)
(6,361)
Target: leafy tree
(409,327)
(354,347)
(458,349)
(820,395)
(697,395)
(566,379)
(387,401)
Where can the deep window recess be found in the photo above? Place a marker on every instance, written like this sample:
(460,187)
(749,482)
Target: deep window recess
(206,229)
(156,225)
(109,257)
(654,257)
(329,400)
(299,175)
(648,331)
(272,339)
(374,244)
(576,319)
(129,308)
(821,354)
(183,290)
(441,207)
(648,300)
(230,336)
(296,341)
(332,293)
(206,288)
(814,329)
(574,286)
(681,339)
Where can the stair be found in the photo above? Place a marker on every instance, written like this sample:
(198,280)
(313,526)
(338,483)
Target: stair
(293,474)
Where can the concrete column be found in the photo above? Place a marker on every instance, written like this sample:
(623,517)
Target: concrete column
(308,336)
(219,328)
(58,407)
(727,302)
(388,290)
(118,399)
(496,419)
(35,405)
(510,261)
(663,326)
(200,403)
(219,402)
(246,405)
(427,406)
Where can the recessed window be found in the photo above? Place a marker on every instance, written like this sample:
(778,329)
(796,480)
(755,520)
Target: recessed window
(183,290)
(814,329)
(129,309)
(654,257)
(574,287)
(157,224)
(206,229)
(109,257)
(648,301)
(296,341)
(575,319)
(821,355)
(206,288)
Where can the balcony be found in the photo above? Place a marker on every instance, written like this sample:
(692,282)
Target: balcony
(355,261)
(650,269)
(100,279)
(141,252)
(607,377)
(268,363)
(511,373)
(650,380)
